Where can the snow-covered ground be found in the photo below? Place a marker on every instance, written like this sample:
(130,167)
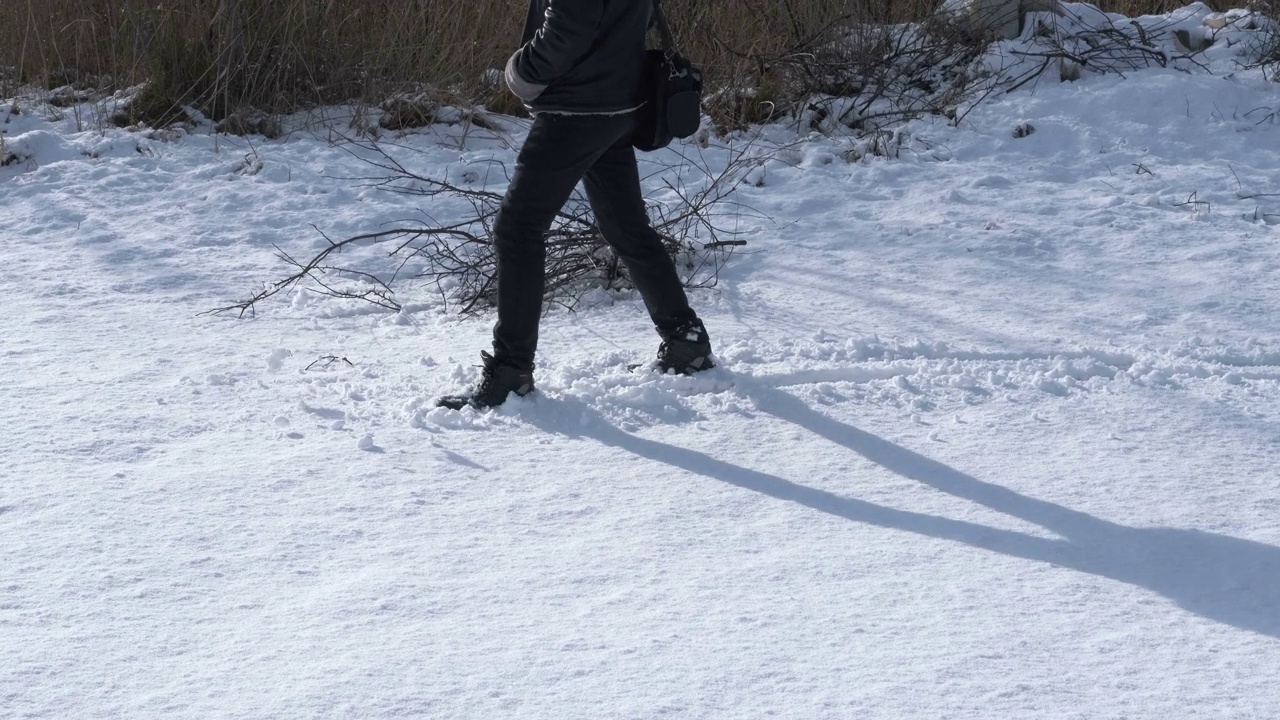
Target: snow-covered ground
(995,434)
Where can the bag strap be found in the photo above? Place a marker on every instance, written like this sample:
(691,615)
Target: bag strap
(664,30)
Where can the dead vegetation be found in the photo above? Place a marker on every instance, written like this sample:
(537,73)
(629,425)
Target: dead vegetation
(763,58)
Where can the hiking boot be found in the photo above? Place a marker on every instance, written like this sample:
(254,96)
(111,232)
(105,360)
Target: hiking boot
(686,350)
(497,382)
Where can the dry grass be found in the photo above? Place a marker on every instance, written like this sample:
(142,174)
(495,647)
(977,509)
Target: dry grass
(278,55)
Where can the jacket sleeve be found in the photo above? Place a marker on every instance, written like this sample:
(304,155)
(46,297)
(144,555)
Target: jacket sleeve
(569,29)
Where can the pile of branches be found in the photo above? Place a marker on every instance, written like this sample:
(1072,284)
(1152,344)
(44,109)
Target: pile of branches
(1070,46)
(883,76)
(872,77)
(868,76)
(699,229)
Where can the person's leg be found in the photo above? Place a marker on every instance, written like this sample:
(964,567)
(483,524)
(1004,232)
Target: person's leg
(557,153)
(613,187)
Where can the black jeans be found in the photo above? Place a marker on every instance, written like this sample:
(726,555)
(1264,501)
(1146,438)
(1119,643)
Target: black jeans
(560,151)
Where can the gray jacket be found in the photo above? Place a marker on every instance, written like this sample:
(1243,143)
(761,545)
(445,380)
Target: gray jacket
(582,56)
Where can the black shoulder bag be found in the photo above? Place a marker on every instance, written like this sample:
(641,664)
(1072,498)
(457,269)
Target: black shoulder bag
(673,93)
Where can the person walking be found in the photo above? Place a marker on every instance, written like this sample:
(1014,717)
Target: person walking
(580,71)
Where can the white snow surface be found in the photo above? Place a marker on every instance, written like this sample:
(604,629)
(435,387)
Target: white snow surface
(994,434)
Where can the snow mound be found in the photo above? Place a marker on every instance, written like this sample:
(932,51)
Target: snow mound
(37,148)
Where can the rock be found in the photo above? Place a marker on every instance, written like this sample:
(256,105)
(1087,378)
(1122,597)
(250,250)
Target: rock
(1216,21)
(248,121)
(1191,43)
(407,112)
(1001,18)
(1069,71)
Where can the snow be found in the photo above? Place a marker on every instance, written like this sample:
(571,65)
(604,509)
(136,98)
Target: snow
(994,433)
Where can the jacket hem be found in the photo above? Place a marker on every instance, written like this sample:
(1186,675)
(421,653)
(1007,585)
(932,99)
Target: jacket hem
(555,111)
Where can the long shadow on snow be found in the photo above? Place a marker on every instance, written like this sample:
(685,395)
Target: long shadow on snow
(1219,577)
